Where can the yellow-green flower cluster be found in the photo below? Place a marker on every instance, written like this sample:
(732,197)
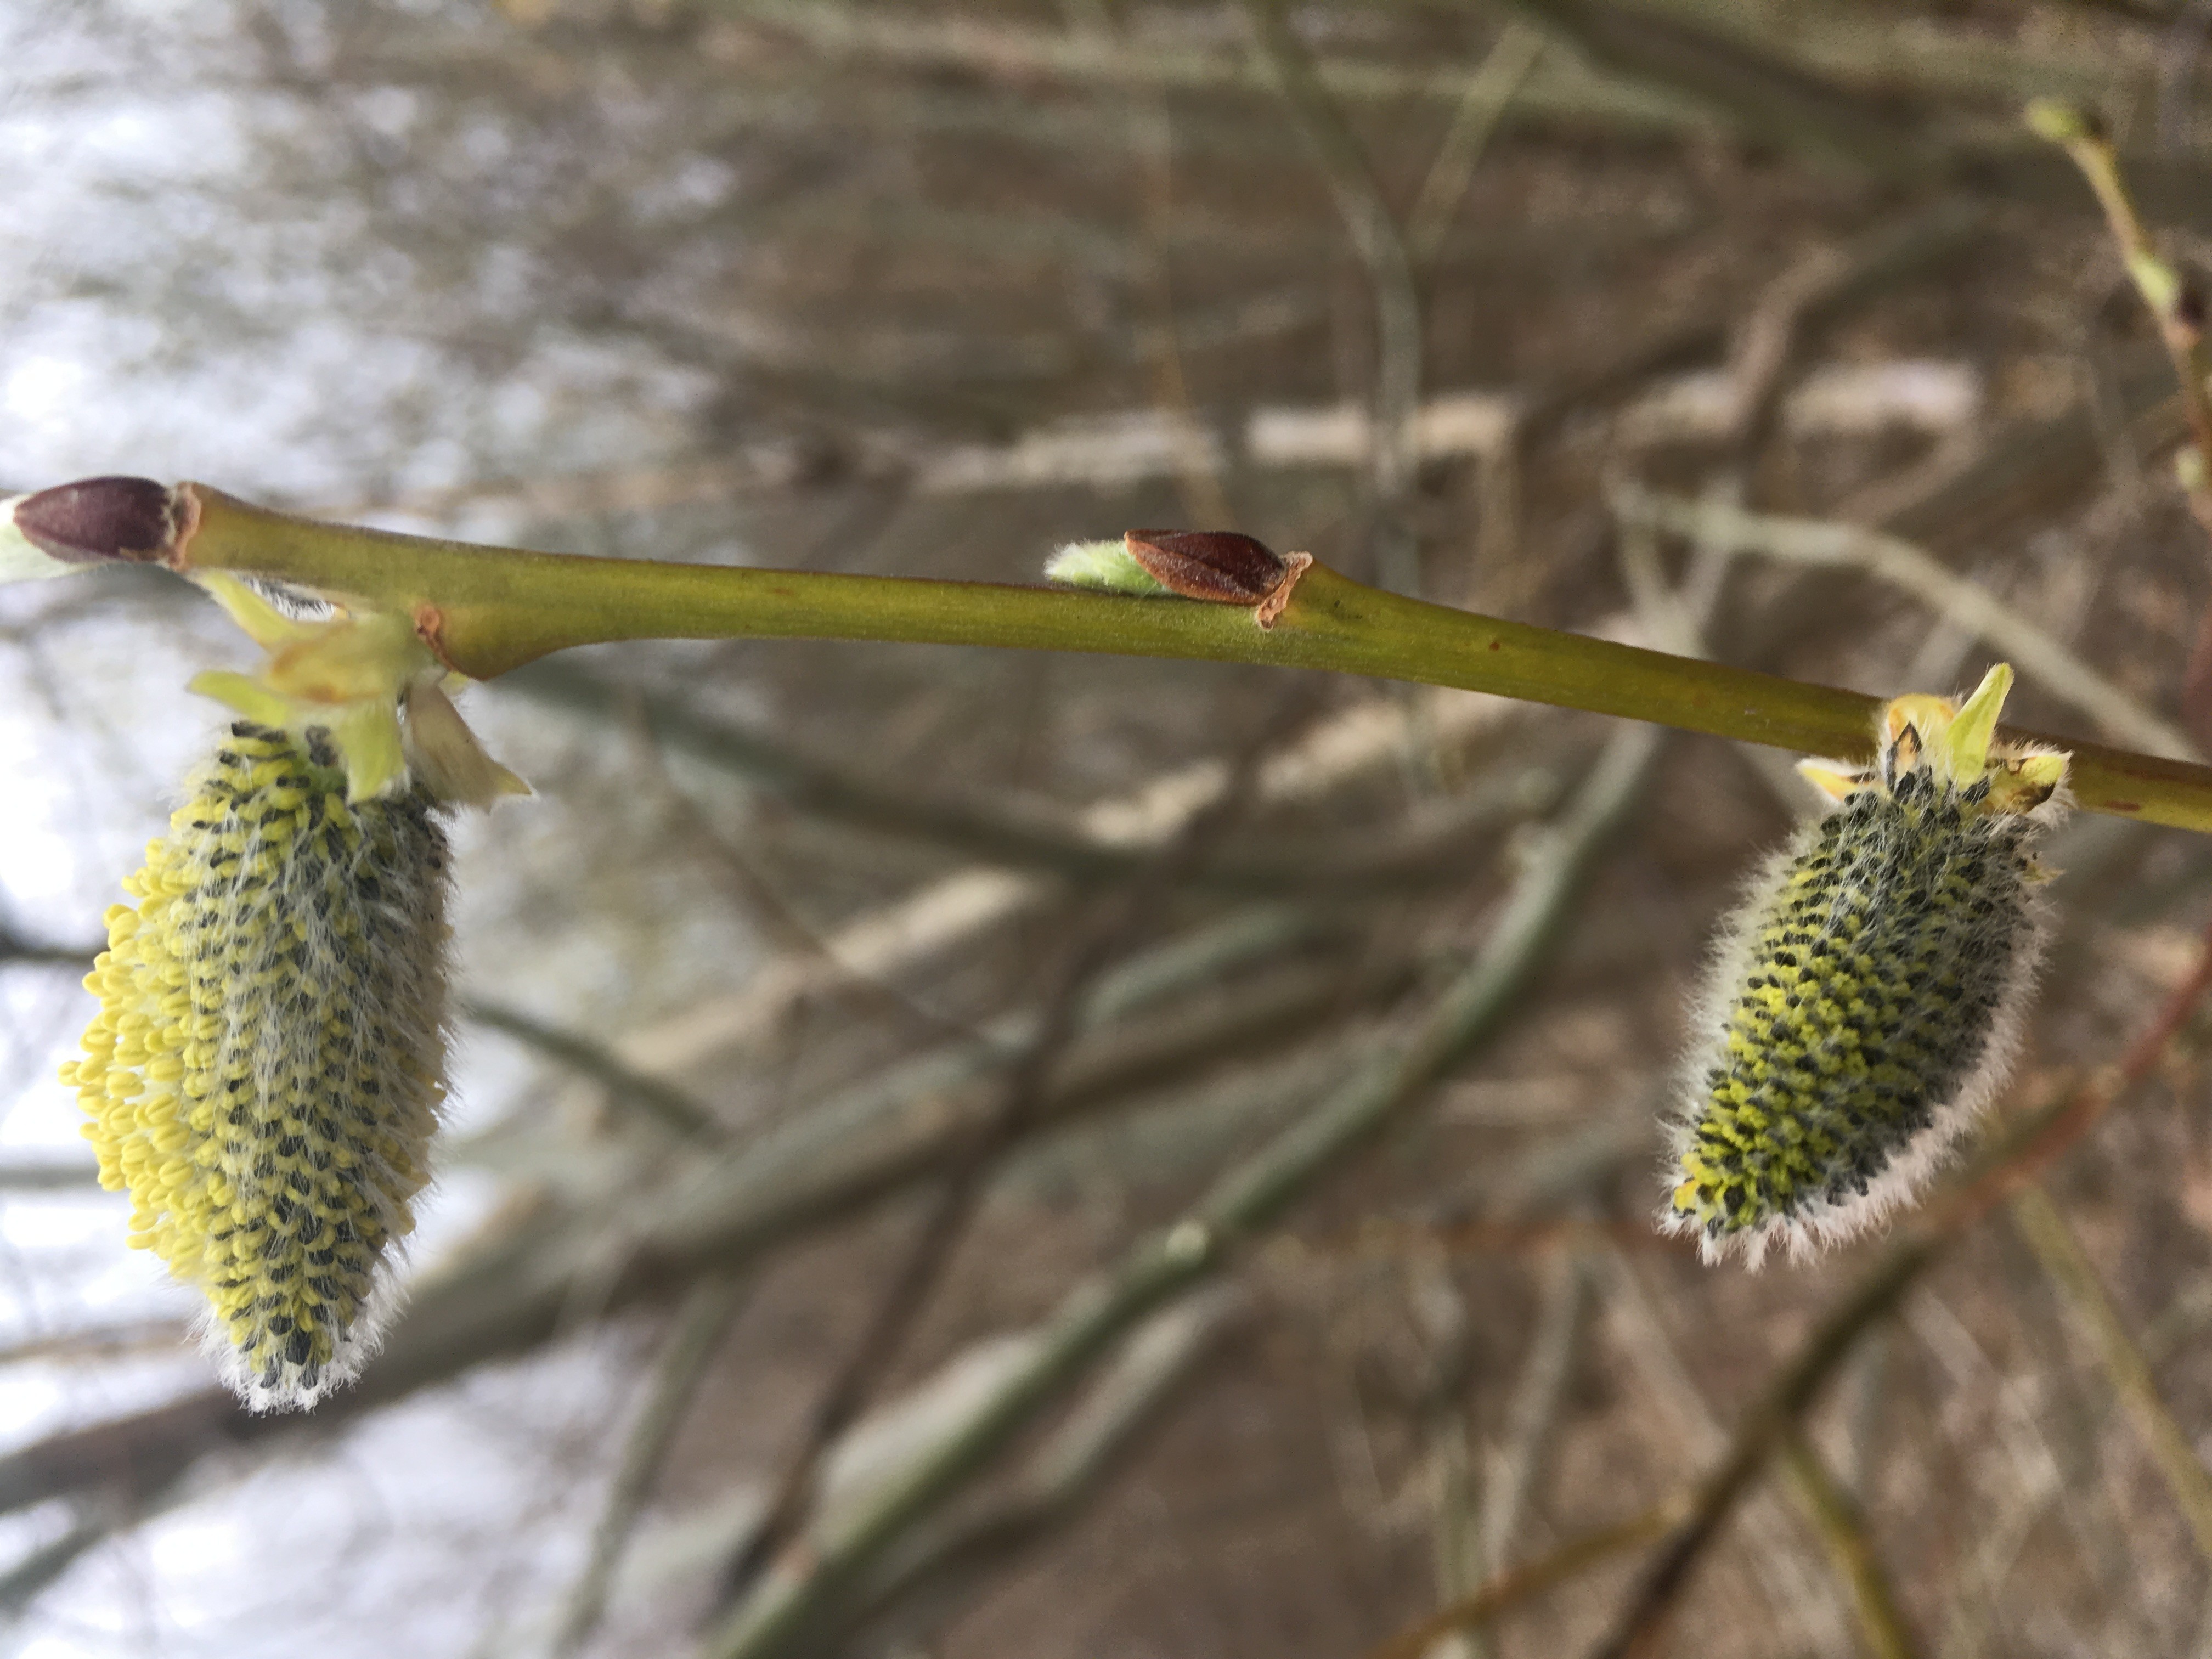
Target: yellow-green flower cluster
(1866,999)
(264,1072)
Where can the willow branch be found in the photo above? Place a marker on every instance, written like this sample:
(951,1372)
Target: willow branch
(2004,1170)
(1383,254)
(694,1338)
(518,1288)
(2039,1222)
(952,1208)
(787,1606)
(674,1109)
(13,949)
(2037,652)
(2177,310)
(1509,1588)
(1843,1529)
(1490,92)
(927,1582)
(1774,1417)
(1011,837)
(487,611)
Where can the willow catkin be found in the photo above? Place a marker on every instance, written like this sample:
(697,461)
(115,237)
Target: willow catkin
(266,1068)
(1866,1000)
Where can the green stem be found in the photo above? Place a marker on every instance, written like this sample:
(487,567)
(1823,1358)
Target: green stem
(489,610)
(2158,281)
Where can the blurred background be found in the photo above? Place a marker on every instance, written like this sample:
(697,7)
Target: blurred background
(836,1019)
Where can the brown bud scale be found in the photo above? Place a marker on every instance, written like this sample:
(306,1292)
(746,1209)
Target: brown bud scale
(93,520)
(1221,567)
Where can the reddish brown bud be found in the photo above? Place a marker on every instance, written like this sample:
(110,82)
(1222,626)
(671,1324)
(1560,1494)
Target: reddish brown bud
(94,519)
(1220,566)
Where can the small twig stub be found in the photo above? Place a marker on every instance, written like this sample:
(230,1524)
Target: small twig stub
(1222,566)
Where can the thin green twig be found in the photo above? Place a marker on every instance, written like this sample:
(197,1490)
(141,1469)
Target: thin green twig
(1011,835)
(2002,1170)
(2173,308)
(672,1107)
(1843,1530)
(13,949)
(1383,253)
(1023,1095)
(695,1337)
(491,610)
(787,1609)
(1490,93)
(2178,307)
(928,1581)
(1763,1428)
(1509,1588)
(523,1282)
(2039,1222)
(2039,655)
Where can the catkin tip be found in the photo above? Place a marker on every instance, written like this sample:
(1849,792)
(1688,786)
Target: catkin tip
(1107,567)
